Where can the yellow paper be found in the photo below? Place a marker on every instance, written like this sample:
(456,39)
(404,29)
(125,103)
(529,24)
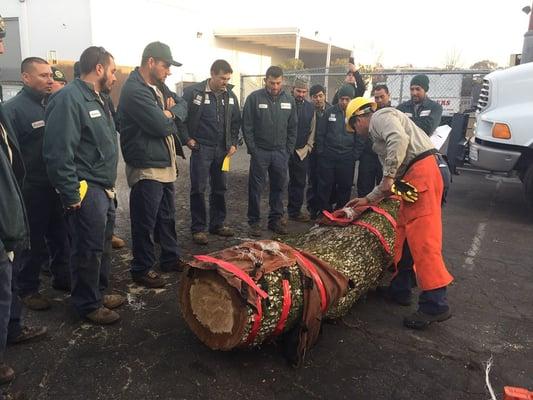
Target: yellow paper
(225,164)
(83,189)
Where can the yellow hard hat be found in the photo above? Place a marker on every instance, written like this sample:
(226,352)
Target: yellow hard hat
(357,107)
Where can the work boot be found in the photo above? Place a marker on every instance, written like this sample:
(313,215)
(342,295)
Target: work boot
(103,316)
(401,298)
(200,238)
(255,230)
(177,266)
(222,231)
(300,217)
(36,302)
(419,320)
(150,280)
(117,243)
(278,227)
(6,374)
(28,333)
(61,286)
(113,301)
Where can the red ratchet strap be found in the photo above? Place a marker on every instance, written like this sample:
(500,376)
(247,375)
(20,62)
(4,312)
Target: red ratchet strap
(239,273)
(304,262)
(287,301)
(376,233)
(331,217)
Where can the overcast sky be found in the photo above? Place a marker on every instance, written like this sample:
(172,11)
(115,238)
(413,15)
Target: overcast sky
(420,32)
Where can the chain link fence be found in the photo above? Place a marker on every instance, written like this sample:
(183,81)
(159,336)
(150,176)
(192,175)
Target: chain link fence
(456,90)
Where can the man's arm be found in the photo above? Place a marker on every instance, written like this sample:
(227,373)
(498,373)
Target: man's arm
(320,136)
(360,84)
(236,121)
(292,127)
(62,136)
(145,111)
(248,124)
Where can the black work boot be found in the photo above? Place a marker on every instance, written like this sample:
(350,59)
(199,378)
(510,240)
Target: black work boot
(420,321)
(402,298)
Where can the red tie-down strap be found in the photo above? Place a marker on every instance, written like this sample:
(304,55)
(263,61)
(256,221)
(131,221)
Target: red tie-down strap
(287,302)
(308,265)
(239,273)
(333,218)
(384,213)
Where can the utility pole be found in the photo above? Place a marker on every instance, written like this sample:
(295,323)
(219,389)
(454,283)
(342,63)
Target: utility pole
(527,50)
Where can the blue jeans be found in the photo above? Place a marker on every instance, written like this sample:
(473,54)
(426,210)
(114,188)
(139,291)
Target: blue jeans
(152,213)
(49,240)
(429,301)
(90,229)
(206,163)
(10,305)
(275,164)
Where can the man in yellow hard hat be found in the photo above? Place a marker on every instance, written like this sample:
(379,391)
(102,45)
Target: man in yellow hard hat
(410,169)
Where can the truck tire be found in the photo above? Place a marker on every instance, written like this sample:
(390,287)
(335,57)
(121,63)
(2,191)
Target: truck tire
(528,188)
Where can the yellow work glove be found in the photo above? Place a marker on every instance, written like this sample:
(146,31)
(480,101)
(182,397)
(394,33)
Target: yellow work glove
(405,190)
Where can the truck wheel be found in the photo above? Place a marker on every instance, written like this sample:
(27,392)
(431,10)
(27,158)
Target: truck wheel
(528,188)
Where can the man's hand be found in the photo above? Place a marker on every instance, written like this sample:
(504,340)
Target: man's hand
(170,103)
(358,201)
(232,150)
(352,67)
(74,206)
(168,114)
(191,144)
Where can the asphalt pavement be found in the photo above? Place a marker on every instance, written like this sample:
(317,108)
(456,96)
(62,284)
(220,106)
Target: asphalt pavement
(151,354)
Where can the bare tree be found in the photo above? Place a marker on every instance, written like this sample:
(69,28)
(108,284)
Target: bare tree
(453,59)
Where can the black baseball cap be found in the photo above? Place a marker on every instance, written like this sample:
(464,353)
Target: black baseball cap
(160,51)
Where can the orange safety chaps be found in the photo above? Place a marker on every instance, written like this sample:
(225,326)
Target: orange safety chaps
(421,224)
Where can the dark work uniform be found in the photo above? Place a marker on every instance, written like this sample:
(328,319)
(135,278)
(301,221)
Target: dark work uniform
(80,143)
(312,175)
(145,133)
(269,128)
(213,121)
(14,230)
(337,152)
(359,86)
(48,230)
(297,167)
(426,115)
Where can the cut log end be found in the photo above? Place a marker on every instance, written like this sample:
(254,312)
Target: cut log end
(213,309)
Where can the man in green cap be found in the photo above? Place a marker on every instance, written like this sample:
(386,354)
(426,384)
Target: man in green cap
(151,118)
(424,112)
(60,80)
(337,152)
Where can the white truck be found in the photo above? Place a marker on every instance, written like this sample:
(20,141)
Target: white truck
(503,133)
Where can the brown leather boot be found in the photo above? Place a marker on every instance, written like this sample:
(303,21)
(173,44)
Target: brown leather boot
(113,301)
(103,316)
(117,243)
(6,374)
(36,302)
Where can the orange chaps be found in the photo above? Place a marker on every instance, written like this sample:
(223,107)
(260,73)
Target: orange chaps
(421,224)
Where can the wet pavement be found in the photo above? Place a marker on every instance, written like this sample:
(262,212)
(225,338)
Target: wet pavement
(151,354)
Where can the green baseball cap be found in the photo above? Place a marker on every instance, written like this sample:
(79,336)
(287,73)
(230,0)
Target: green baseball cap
(58,75)
(2,28)
(160,51)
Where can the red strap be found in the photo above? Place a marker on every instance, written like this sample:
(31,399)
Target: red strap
(304,262)
(381,211)
(257,322)
(287,301)
(377,233)
(331,217)
(239,273)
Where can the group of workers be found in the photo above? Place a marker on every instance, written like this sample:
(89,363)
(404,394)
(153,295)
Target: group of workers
(58,167)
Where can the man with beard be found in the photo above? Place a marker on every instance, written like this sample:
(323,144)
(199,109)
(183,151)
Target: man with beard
(269,129)
(48,231)
(149,115)
(424,112)
(299,159)
(212,134)
(80,153)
